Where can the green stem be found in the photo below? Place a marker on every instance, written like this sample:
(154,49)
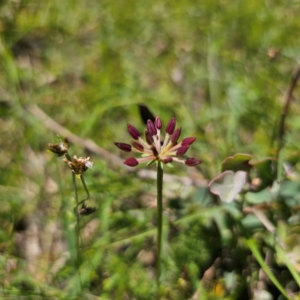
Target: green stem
(85,187)
(76,213)
(255,251)
(159,220)
(82,201)
(77,258)
(86,190)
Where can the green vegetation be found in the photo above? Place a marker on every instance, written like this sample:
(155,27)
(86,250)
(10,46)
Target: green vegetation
(80,69)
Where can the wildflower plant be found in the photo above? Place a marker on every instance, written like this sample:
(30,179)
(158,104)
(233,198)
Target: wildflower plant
(78,167)
(154,149)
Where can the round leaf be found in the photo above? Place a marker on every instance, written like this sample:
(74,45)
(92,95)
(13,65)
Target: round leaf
(237,162)
(228,185)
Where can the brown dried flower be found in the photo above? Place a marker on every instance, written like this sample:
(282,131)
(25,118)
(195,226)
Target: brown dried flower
(60,148)
(79,165)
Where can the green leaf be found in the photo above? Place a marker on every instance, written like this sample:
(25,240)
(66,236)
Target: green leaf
(259,197)
(237,162)
(251,243)
(228,185)
(289,189)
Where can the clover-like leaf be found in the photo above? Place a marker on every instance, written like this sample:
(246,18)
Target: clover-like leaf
(228,185)
(237,162)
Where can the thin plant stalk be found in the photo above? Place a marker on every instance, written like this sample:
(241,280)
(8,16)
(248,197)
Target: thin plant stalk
(77,258)
(254,249)
(159,220)
(77,216)
(77,201)
(82,201)
(85,187)
(285,111)
(78,167)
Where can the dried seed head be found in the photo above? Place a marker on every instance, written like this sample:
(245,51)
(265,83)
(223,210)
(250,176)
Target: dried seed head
(79,165)
(86,210)
(60,148)
(171,126)
(133,132)
(123,147)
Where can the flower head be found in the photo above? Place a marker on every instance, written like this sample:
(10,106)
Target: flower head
(79,165)
(60,148)
(154,149)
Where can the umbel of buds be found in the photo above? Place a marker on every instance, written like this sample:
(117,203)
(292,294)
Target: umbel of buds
(154,149)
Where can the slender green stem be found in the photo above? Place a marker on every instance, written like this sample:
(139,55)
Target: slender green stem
(283,255)
(76,213)
(159,220)
(69,158)
(86,190)
(255,251)
(82,201)
(285,111)
(76,256)
(85,187)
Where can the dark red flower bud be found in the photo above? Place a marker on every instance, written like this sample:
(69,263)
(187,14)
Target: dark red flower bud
(171,126)
(149,138)
(157,122)
(188,141)
(175,136)
(131,162)
(133,132)
(191,162)
(167,160)
(151,128)
(138,146)
(182,149)
(123,147)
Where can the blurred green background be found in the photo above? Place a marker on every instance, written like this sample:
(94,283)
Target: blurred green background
(222,68)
